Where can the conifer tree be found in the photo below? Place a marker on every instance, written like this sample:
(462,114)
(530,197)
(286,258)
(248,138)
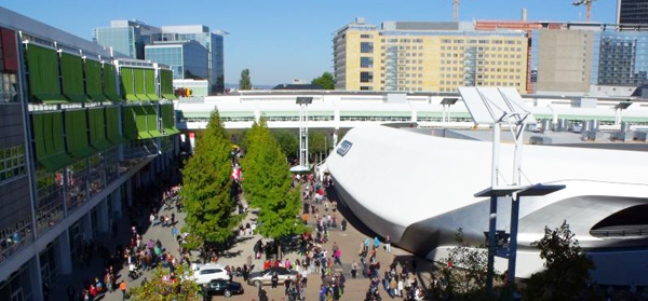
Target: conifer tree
(207,182)
(268,186)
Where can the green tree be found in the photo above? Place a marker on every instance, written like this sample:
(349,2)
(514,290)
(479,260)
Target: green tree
(267,185)
(206,192)
(326,81)
(318,143)
(465,276)
(160,288)
(245,83)
(288,141)
(567,266)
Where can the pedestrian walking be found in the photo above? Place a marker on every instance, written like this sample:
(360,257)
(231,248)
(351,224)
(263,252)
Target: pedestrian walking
(122,288)
(388,244)
(354,269)
(274,280)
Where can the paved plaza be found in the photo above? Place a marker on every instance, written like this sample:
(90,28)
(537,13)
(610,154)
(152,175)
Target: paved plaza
(348,242)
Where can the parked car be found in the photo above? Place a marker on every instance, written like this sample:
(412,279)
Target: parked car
(203,274)
(264,277)
(223,287)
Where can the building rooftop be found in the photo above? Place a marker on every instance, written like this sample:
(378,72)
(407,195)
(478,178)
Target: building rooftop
(297,87)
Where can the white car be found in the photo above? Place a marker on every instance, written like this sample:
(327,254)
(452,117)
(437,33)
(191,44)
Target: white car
(203,274)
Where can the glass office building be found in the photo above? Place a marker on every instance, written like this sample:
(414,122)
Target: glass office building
(125,40)
(633,12)
(620,58)
(188,60)
(132,37)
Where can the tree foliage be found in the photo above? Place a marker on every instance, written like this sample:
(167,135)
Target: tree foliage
(267,184)
(326,81)
(288,142)
(464,278)
(567,266)
(161,288)
(206,180)
(245,83)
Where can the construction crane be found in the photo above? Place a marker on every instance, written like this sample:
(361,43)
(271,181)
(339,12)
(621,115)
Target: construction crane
(455,12)
(589,7)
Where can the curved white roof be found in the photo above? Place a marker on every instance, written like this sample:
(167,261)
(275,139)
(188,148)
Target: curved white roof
(446,173)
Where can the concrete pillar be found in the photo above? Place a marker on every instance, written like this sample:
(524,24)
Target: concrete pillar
(129,192)
(64,252)
(86,226)
(35,278)
(102,216)
(115,198)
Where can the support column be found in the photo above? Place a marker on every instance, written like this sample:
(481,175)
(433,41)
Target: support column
(115,198)
(86,226)
(492,242)
(515,212)
(102,216)
(64,251)
(35,278)
(129,192)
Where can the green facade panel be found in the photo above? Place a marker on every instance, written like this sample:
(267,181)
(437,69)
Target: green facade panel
(168,119)
(48,138)
(141,122)
(43,69)
(76,134)
(140,91)
(72,76)
(98,138)
(128,84)
(113,125)
(130,126)
(110,83)
(150,85)
(166,84)
(152,121)
(94,80)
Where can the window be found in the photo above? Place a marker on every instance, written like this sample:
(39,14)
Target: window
(366,62)
(366,47)
(366,88)
(365,36)
(7,87)
(366,77)
(12,163)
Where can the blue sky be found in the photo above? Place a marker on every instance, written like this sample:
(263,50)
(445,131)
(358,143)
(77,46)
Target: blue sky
(282,40)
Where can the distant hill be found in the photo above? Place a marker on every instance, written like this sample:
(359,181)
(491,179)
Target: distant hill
(235,86)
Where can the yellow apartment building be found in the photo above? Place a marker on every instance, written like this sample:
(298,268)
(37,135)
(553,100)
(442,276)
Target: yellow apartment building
(427,57)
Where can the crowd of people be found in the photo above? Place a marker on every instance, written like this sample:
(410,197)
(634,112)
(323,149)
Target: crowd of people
(136,253)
